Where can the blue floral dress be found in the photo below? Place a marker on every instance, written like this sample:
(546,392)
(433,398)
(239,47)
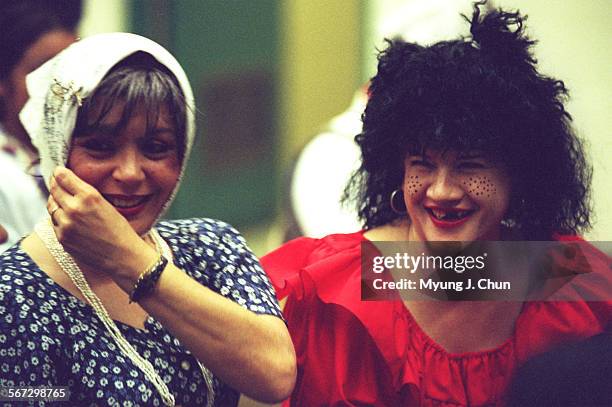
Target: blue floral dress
(48,337)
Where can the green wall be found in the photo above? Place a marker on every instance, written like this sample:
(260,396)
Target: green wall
(229,50)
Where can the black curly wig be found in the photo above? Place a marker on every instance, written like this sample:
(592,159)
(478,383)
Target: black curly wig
(477,93)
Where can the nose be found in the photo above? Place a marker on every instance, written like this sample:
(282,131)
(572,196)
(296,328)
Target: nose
(445,187)
(129,168)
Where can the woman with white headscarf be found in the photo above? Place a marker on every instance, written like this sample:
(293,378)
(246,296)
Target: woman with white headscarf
(103,297)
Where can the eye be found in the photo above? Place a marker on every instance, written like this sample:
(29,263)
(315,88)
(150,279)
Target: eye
(157,148)
(97,146)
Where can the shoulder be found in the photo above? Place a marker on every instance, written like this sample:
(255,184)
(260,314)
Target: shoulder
(314,260)
(302,250)
(25,292)
(19,274)
(217,256)
(191,225)
(207,242)
(209,235)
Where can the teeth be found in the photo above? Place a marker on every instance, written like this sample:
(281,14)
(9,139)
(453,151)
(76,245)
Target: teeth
(126,203)
(438,214)
(441,214)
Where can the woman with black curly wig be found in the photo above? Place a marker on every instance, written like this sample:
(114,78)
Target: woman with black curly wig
(462,140)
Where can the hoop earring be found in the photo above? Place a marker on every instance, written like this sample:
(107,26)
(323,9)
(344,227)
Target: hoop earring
(399,209)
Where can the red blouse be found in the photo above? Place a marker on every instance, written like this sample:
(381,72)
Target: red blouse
(355,353)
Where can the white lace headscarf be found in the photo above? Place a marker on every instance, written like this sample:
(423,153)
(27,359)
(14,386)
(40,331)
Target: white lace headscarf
(58,87)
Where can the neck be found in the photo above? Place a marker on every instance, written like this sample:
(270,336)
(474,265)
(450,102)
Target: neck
(398,230)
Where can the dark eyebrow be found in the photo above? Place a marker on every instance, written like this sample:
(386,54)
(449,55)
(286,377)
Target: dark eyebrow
(471,156)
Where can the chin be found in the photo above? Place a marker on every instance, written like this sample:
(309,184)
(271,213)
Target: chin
(468,232)
(140,227)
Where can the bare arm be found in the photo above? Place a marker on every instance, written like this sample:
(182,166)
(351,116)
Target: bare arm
(250,352)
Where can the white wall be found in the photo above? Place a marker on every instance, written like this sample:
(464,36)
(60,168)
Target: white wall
(103,16)
(574,45)
(422,21)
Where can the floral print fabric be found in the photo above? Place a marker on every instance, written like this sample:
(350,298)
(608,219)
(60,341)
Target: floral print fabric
(48,337)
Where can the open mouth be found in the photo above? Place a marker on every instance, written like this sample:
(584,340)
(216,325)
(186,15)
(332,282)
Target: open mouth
(127,202)
(448,218)
(448,215)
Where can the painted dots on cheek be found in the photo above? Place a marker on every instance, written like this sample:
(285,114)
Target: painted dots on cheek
(414,185)
(480,186)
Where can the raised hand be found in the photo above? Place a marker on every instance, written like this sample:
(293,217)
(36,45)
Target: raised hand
(88,226)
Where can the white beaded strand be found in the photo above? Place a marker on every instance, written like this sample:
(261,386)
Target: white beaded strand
(208,379)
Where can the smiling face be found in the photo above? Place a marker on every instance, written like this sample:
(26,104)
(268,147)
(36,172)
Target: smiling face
(454,196)
(135,166)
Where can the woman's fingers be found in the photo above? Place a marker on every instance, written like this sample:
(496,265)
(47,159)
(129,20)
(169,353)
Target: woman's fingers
(54,210)
(51,204)
(59,195)
(69,181)
(72,193)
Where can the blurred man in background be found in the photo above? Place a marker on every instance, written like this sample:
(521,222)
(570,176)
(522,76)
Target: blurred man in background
(32,32)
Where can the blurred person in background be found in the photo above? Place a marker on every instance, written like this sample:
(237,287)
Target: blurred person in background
(320,174)
(328,160)
(32,31)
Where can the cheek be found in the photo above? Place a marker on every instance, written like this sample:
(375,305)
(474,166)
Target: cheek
(480,187)
(91,172)
(166,174)
(413,185)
